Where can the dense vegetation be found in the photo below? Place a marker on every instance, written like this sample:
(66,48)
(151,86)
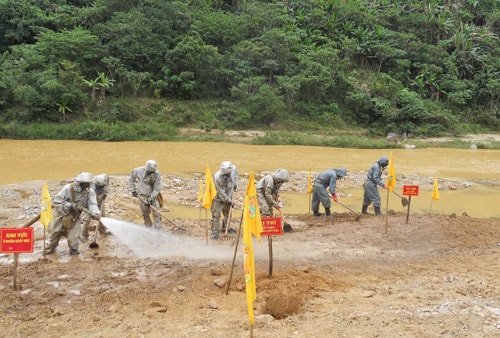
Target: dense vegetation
(127,69)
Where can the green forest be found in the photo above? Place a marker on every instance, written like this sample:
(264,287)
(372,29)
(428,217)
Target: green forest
(141,69)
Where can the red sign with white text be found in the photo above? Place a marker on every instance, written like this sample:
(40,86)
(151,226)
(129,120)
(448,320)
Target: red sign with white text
(271,226)
(16,240)
(410,190)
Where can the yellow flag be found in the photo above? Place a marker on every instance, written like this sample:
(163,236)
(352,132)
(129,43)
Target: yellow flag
(435,190)
(210,190)
(252,224)
(46,212)
(309,184)
(391,176)
(200,192)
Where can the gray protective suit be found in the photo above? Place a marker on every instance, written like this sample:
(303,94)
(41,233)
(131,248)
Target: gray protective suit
(146,182)
(226,180)
(66,222)
(374,179)
(101,188)
(326,179)
(268,189)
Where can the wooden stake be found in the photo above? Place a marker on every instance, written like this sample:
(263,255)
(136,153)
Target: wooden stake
(16,264)
(408,211)
(270,241)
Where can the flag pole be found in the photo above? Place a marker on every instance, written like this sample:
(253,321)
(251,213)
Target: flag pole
(234,256)
(206,225)
(387,211)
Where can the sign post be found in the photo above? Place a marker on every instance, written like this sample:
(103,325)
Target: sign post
(409,190)
(271,226)
(16,241)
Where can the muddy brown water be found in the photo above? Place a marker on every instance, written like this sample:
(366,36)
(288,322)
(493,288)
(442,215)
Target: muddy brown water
(28,160)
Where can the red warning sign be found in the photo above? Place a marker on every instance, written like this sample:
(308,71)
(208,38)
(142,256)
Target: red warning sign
(16,240)
(271,226)
(410,190)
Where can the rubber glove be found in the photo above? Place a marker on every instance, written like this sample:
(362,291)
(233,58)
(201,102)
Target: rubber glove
(335,197)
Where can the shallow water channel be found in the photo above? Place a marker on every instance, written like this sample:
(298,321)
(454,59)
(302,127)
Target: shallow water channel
(28,160)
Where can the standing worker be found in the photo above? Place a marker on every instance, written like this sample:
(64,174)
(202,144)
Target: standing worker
(68,205)
(374,179)
(268,189)
(145,184)
(226,181)
(326,179)
(101,187)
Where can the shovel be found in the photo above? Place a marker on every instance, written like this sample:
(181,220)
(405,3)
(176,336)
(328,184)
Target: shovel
(358,216)
(404,200)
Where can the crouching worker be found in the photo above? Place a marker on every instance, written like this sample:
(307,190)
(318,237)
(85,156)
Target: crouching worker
(326,179)
(268,191)
(101,187)
(68,205)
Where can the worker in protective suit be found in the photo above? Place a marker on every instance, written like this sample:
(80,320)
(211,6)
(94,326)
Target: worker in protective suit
(145,183)
(226,181)
(68,206)
(326,179)
(101,187)
(374,179)
(268,191)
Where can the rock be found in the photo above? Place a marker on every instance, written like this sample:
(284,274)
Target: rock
(473,147)
(392,137)
(220,282)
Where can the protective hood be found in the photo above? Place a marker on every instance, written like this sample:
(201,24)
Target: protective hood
(83,178)
(341,172)
(384,161)
(226,167)
(281,175)
(101,180)
(151,165)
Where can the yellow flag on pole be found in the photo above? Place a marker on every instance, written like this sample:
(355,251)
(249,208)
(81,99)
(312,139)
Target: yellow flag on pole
(309,184)
(46,210)
(200,192)
(435,190)
(252,225)
(210,190)
(391,176)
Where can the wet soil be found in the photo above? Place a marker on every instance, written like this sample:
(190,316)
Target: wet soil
(436,275)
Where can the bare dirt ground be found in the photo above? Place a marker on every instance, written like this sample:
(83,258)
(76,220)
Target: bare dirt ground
(435,276)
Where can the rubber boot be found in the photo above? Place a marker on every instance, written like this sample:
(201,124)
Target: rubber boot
(328,213)
(317,213)
(377,211)
(364,210)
